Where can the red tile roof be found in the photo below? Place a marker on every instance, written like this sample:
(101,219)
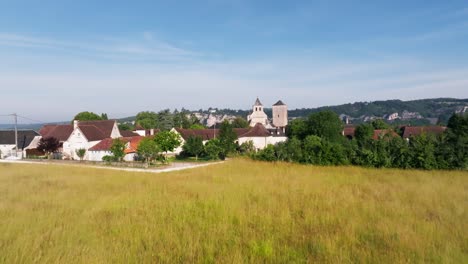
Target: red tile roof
(349,131)
(126,133)
(418,130)
(60,132)
(207,134)
(380,133)
(105,144)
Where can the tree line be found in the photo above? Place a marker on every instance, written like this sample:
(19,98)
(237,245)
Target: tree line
(318,140)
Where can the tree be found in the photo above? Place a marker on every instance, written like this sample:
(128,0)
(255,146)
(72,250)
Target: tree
(118,149)
(227,137)
(81,153)
(213,149)
(87,116)
(48,145)
(266,154)
(457,140)
(194,146)
(197,126)
(147,119)
(167,141)
(240,122)
(422,149)
(379,124)
(326,125)
(297,128)
(148,149)
(104,116)
(125,127)
(247,147)
(363,134)
(165,120)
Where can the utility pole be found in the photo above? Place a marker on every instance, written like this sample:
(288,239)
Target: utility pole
(16,133)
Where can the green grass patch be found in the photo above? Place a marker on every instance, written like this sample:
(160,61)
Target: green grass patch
(235,212)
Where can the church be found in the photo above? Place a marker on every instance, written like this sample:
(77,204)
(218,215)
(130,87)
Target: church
(279,120)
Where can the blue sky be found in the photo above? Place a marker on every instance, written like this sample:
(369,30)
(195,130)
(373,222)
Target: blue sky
(61,57)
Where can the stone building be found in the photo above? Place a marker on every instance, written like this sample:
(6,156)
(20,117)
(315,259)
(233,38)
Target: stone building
(258,116)
(280,115)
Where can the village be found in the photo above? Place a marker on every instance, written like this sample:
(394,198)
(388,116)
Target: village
(92,140)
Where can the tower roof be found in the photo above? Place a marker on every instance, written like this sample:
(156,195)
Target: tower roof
(279,103)
(257,102)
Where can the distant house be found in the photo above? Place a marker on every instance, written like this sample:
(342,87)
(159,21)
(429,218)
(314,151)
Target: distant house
(87,134)
(145,132)
(381,133)
(8,144)
(410,131)
(349,131)
(259,135)
(101,149)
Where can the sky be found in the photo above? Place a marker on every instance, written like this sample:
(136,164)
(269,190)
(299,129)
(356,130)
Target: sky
(58,58)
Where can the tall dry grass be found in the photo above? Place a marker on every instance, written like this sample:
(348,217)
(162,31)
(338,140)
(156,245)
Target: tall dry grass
(239,211)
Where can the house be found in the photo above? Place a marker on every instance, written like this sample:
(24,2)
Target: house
(259,135)
(8,143)
(87,134)
(409,131)
(381,133)
(101,149)
(144,132)
(60,132)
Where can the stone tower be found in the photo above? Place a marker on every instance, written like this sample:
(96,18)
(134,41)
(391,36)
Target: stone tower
(258,115)
(280,114)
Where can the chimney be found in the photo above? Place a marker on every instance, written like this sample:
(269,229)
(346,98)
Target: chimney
(75,124)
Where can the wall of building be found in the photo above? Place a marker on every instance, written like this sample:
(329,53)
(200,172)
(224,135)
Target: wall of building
(280,115)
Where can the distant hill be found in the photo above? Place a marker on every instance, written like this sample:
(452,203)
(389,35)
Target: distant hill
(439,109)
(415,112)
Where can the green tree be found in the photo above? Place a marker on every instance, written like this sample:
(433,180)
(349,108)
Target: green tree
(213,149)
(422,151)
(227,137)
(81,153)
(379,124)
(87,116)
(196,126)
(327,125)
(118,149)
(266,154)
(167,142)
(148,149)
(363,134)
(125,127)
(104,116)
(165,120)
(194,146)
(240,122)
(297,128)
(457,141)
(147,119)
(247,147)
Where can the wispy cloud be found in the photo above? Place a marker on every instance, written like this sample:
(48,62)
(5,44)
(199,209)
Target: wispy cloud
(145,47)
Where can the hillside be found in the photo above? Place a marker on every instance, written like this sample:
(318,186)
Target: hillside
(424,111)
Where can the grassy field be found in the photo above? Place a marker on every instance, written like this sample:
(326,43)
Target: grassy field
(235,212)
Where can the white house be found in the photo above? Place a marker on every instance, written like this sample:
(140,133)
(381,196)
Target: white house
(98,151)
(259,135)
(86,134)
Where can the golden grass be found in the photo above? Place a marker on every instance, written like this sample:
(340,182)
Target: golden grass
(235,212)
